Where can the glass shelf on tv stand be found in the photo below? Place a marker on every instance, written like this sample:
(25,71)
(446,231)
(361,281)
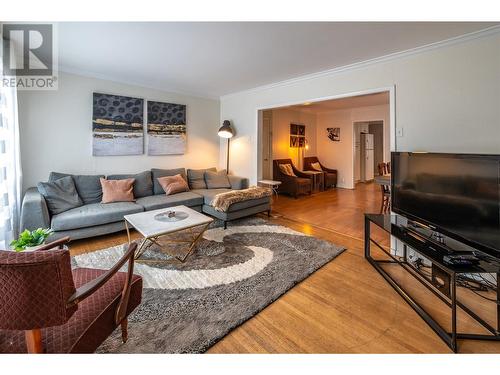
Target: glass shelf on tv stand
(399,226)
(394,225)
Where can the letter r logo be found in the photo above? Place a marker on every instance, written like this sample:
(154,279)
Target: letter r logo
(27,49)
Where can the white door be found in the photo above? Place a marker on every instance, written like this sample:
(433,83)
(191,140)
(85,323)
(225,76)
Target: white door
(369,165)
(267,145)
(357,162)
(368,141)
(359,128)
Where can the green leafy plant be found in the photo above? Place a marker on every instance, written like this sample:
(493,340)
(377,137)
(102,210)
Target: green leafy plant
(30,239)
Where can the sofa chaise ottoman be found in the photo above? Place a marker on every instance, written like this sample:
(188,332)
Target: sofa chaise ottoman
(235,211)
(94,218)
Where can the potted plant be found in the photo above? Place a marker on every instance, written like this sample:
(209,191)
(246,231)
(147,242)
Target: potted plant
(31,240)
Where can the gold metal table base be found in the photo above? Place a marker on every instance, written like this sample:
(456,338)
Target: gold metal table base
(155,240)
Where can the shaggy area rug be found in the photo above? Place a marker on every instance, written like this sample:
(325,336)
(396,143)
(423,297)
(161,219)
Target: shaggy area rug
(232,275)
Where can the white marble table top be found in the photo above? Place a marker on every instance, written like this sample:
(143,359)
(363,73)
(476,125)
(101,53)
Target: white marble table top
(148,226)
(269,182)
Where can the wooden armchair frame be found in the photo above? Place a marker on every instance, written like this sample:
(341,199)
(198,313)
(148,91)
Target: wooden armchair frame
(34,336)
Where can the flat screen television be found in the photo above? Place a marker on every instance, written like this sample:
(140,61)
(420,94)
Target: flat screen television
(457,195)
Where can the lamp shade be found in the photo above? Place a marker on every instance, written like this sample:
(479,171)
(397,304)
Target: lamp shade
(226,131)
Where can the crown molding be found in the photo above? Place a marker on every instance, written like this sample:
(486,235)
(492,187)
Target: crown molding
(377,60)
(104,77)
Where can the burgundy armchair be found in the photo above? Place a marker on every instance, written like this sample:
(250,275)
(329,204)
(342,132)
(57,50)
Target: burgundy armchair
(301,183)
(330,174)
(46,307)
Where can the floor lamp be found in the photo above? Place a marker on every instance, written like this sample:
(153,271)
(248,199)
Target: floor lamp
(226,131)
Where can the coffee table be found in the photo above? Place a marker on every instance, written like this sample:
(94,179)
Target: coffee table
(158,225)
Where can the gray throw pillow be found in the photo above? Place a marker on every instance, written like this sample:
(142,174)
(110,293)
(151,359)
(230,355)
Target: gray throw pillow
(157,173)
(143,184)
(60,195)
(88,187)
(196,177)
(217,180)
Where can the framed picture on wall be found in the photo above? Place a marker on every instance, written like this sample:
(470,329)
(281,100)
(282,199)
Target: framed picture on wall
(297,135)
(334,134)
(117,125)
(166,128)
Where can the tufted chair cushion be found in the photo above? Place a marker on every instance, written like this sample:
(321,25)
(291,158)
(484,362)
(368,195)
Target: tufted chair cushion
(34,289)
(90,325)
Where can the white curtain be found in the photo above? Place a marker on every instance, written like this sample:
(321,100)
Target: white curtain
(10,167)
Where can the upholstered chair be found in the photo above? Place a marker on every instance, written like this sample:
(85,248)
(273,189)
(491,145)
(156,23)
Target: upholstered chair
(301,183)
(330,174)
(46,307)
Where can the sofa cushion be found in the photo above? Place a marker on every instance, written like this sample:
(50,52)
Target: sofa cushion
(237,214)
(93,214)
(60,195)
(287,170)
(196,177)
(117,190)
(303,181)
(238,183)
(173,184)
(88,187)
(317,167)
(238,206)
(156,202)
(143,184)
(157,173)
(217,180)
(209,194)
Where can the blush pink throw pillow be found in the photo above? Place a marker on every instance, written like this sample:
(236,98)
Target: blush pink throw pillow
(117,190)
(173,184)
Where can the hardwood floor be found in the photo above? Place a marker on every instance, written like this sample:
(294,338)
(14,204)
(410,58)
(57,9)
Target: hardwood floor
(339,210)
(346,306)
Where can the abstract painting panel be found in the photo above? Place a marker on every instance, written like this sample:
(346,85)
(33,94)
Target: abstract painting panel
(166,128)
(117,125)
(333,134)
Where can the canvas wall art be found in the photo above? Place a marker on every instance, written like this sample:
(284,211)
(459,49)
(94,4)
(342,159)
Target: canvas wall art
(117,125)
(297,135)
(334,134)
(166,128)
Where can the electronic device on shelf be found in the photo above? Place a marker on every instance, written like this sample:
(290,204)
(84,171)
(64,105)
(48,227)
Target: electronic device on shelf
(451,200)
(461,259)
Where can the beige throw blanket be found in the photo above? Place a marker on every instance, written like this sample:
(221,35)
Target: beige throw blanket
(223,201)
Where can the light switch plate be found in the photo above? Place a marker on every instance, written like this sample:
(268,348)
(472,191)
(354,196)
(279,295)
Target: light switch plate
(399,132)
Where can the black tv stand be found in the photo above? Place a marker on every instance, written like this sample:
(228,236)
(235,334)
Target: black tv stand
(435,240)
(447,292)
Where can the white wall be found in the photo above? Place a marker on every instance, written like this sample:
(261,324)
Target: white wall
(56,131)
(339,155)
(447,99)
(281,134)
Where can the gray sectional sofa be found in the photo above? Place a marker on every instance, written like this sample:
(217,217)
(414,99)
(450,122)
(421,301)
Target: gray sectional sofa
(94,218)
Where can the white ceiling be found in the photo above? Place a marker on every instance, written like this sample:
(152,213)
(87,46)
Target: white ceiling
(213,59)
(343,103)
